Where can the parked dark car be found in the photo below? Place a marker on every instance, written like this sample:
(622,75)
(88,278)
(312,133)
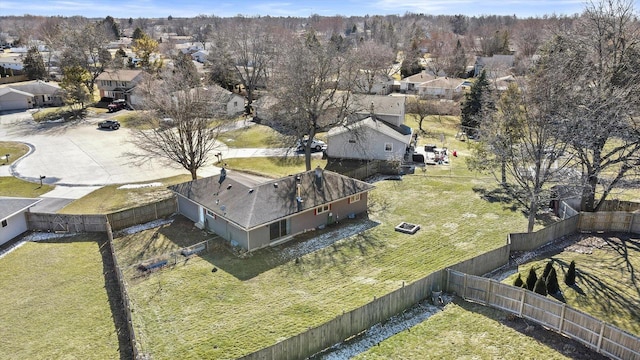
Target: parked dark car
(117,105)
(109,124)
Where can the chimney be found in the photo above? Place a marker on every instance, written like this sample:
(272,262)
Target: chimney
(318,177)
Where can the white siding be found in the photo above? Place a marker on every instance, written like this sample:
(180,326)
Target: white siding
(15,225)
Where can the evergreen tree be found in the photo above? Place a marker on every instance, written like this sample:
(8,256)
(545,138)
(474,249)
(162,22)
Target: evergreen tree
(570,277)
(552,282)
(459,62)
(137,33)
(540,287)
(547,269)
(518,282)
(476,101)
(532,278)
(34,65)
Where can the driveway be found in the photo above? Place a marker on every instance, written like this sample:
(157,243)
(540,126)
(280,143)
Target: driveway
(80,155)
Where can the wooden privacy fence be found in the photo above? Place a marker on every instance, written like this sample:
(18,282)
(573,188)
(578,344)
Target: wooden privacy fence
(124,295)
(596,334)
(66,223)
(380,309)
(350,323)
(142,214)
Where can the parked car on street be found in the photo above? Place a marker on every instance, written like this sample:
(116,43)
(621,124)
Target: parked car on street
(317,145)
(117,105)
(109,124)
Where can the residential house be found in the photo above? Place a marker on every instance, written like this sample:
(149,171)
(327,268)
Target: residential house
(200,56)
(12,62)
(442,88)
(44,93)
(495,66)
(253,214)
(410,83)
(224,101)
(12,99)
(118,84)
(13,220)
(379,134)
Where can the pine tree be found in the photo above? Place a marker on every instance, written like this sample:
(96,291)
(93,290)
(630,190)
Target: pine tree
(532,278)
(570,277)
(552,282)
(476,100)
(34,65)
(518,282)
(540,287)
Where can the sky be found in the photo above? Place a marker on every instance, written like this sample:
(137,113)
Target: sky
(227,8)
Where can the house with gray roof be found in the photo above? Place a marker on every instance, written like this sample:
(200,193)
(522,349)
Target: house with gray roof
(253,214)
(13,220)
(44,93)
(12,99)
(378,134)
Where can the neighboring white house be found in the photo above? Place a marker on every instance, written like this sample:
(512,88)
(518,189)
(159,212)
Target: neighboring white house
(12,61)
(369,139)
(12,99)
(442,87)
(495,66)
(410,83)
(378,134)
(13,220)
(44,93)
(226,102)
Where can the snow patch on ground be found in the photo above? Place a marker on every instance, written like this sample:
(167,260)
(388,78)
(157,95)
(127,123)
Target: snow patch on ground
(323,240)
(146,226)
(140,186)
(382,331)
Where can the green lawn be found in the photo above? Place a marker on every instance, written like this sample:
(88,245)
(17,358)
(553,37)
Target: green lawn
(188,311)
(110,198)
(10,186)
(15,150)
(273,167)
(54,303)
(607,284)
(256,136)
(468,331)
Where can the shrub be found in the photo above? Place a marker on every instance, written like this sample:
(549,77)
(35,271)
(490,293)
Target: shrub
(552,282)
(570,276)
(540,287)
(518,282)
(547,269)
(531,279)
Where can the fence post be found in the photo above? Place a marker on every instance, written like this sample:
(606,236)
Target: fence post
(564,306)
(464,287)
(524,293)
(486,301)
(448,279)
(602,325)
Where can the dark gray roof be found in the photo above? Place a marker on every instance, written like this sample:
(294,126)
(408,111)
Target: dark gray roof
(37,87)
(264,203)
(9,206)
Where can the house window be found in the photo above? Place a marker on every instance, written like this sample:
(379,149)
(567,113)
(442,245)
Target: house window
(235,104)
(210,213)
(352,141)
(388,147)
(4,223)
(354,198)
(278,229)
(323,209)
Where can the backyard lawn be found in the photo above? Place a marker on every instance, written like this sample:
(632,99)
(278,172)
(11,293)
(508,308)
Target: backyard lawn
(188,311)
(466,330)
(55,302)
(607,285)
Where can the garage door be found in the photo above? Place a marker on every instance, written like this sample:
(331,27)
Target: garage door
(13,105)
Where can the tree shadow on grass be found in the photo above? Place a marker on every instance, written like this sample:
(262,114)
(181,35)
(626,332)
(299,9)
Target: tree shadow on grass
(499,195)
(563,345)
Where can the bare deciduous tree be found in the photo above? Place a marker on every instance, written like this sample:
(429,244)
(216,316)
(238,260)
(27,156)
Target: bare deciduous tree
(313,90)
(375,65)
(187,135)
(597,92)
